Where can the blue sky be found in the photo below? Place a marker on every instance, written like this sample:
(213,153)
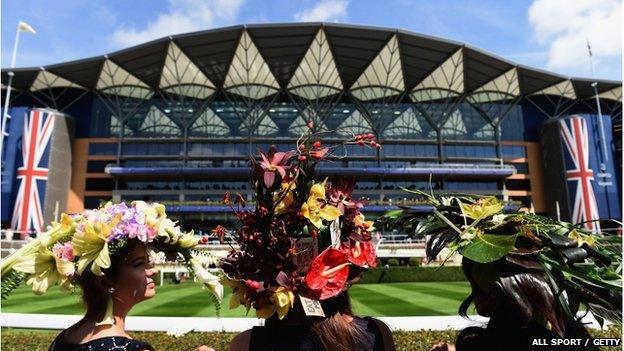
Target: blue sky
(546,34)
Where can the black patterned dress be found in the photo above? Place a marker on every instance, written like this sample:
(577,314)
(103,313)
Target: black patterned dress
(109,343)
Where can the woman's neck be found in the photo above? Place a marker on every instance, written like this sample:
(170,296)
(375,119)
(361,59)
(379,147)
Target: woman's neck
(87,328)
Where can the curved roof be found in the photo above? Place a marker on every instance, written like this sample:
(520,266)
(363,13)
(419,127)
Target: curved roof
(371,62)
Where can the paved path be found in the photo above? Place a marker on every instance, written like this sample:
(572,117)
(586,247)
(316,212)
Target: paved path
(181,325)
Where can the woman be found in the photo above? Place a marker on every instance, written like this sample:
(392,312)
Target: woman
(128,281)
(106,252)
(277,268)
(340,330)
(529,274)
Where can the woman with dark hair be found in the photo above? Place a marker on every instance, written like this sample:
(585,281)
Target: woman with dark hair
(127,282)
(529,274)
(106,252)
(521,308)
(299,250)
(340,330)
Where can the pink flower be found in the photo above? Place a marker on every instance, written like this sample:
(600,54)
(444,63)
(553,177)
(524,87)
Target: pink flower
(64,251)
(274,162)
(141,232)
(339,195)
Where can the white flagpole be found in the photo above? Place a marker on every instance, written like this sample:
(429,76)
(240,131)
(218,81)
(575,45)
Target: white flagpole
(21,26)
(595,86)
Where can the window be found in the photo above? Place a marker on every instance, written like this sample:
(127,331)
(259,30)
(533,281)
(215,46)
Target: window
(102,149)
(100,184)
(97,166)
(515,151)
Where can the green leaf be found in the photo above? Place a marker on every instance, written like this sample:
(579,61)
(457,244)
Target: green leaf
(393,214)
(486,248)
(426,227)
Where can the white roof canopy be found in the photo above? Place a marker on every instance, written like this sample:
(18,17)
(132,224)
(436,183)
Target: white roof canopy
(384,75)
(182,77)
(564,89)
(317,75)
(47,80)
(249,75)
(503,87)
(447,80)
(115,80)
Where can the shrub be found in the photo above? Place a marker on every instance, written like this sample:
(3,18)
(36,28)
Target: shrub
(412,274)
(422,340)
(415,262)
(393,262)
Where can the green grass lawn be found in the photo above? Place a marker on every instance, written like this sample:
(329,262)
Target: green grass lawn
(189,300)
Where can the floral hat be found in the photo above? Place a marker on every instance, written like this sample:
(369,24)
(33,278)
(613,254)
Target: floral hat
(303,238)
(89,241)
(540,264)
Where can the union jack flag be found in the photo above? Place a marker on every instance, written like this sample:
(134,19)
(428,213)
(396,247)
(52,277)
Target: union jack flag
(578,173)
(33,174)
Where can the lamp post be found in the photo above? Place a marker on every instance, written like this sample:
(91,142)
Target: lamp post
(21,27)
(601,127)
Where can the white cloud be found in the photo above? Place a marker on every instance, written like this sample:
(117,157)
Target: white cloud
(182,16)
(324,11)
(564,26)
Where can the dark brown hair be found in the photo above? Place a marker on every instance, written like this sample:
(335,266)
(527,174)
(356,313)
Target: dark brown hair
(94,295)
(333,331)
(523,297)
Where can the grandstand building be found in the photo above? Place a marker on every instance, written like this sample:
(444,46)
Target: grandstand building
(175,120)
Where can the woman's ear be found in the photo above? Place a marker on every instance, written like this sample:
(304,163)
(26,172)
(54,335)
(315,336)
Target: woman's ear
(104,284)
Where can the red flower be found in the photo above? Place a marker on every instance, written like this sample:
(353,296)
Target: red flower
(360,253)
(317,144)
(319,154)
(220,232)
(328,273)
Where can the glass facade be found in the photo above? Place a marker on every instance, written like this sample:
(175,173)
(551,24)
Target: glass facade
(436,107)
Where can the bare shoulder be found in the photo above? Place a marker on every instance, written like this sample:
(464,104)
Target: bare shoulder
(241,341)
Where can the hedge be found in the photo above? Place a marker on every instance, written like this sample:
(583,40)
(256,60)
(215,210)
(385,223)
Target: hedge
(18,340)
(412,274)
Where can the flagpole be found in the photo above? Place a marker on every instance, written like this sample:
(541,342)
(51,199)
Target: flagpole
(602,133)
(5,112)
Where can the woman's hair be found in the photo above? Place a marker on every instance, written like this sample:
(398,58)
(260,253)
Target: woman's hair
(333,331)
(94,296)
(525,304)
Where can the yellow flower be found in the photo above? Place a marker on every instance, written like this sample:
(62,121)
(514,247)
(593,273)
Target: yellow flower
(45,269)
(154,212)
(287,195)
(187,240)
(582,238)
(169,231)
(239,293)
(316,209)
(90,244)
(280,301)
(482,208)
(210,281)
(360,221)
(54,234)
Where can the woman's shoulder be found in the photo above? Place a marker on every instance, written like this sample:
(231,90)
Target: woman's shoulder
(108,343)
(241,341)
(381,331)
(377,326)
